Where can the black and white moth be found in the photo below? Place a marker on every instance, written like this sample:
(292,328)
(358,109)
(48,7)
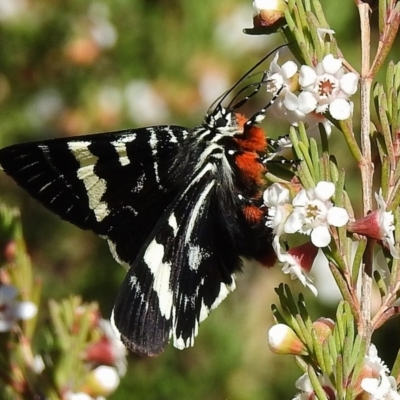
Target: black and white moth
(180,208)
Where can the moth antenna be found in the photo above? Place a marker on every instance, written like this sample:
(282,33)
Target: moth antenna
(242,78)
(243,101)
(260,114)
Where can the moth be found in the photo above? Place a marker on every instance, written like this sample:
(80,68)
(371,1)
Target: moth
(180,208)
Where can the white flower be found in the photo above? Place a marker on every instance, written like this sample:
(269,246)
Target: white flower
(298,262)
(330,86)
(277,199)
(282,77)
(12,310)
(301,110)
(314,213)
(375,379)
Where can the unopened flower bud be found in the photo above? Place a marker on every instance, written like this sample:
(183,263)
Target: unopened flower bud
(283,340)
(368,226)
(323,328)
(268,12)
(101,381)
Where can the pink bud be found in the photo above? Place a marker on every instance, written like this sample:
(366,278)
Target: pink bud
(324,328)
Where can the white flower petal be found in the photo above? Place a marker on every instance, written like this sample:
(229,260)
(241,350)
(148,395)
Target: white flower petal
(369,385)
(293,223)
(307,102)
(301,199)
(276,194)
(349,82)
(307,76)
(304,383)
(337,216)
(324,190)
(320,236)
(290,101)
(274,66)
(289,69)
(340,109)
(331,65)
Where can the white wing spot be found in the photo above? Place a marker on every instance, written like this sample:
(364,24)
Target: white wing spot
(120,148)
(153,144)
(95,186)
(197,210)
(161,271)
(196,255)
(173,224)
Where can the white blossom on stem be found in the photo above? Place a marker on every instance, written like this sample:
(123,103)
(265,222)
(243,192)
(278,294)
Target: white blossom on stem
(277,199)
(290,105)
(282,77)
(329,87)
(375,379)
(314,213)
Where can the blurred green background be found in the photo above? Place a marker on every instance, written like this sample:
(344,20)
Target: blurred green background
(74,67)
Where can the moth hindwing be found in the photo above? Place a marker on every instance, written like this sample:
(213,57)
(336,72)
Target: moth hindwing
(181,208)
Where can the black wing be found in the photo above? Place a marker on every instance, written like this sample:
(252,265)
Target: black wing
(183,272)
(116,184)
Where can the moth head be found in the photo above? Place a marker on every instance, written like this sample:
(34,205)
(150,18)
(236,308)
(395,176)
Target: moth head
(223,120)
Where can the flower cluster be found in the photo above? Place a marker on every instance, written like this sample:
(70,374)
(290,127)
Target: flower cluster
(308,93)
(311,212)
(373,383)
